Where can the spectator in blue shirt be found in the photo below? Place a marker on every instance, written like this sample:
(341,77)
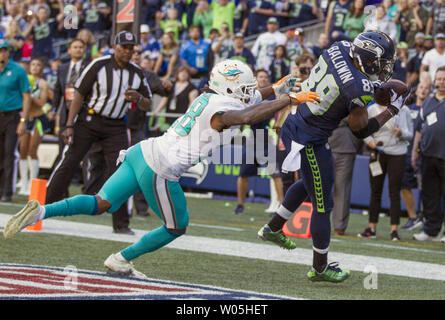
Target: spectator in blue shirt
(148,41)
(196,55)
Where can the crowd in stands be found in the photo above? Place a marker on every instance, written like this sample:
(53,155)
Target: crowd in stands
(180,40)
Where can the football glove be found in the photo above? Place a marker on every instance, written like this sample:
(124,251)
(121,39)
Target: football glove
(303,96)
(398,100)
(285,85)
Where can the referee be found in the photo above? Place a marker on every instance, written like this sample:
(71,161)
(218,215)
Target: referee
(105,90)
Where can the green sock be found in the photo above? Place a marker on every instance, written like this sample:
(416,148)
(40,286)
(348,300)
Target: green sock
(80,204)
(149,242)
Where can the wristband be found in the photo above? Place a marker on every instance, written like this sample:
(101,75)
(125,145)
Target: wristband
(69,127)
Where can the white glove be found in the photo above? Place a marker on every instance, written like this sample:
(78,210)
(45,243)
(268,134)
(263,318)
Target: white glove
(397,101)
(285,85)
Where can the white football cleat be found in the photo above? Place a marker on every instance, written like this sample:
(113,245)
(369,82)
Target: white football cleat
(117,264)
(424,237)
(28,216)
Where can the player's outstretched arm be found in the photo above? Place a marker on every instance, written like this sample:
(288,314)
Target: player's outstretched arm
(261,111)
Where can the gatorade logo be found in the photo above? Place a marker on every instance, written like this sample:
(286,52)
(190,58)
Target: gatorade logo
(299,223)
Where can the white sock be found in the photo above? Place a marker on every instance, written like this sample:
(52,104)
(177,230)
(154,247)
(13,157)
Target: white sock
(41,212)
(34,169)
(23,168)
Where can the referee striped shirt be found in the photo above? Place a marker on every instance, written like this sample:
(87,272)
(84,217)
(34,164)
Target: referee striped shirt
(103,84)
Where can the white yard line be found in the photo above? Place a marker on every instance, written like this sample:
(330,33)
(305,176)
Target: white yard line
(260,251)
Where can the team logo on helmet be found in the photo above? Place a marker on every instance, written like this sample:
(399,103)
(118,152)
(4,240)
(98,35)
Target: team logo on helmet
(231,73)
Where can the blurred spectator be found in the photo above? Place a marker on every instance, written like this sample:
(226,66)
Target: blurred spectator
(414,22)
(51,77)
(223,12)
(96,13)
(222,46)
(301,11)
(337,12)
(390,8)
(91,51)
(180,98)
(264,47)
(427,5)
(400,19)
(172,24)
(14,97)
(27,48)
(15,40)
(428,43)
(12,14)
(203,17)
(241,52)
(303,66)
(415,62)
(296,45)
(251,169)
(281,9)
(435,57)
(436,20)
(400,66)
(354,21)
(344,146)
(213,35)
(258,12)
(323,42)
(43,30)
(149,10)
(168,59)
(380,21)
(149,44)
(280,64)
(409,180)
(241,18)
(36,126)
(388,153)
(195,54)
(430,131)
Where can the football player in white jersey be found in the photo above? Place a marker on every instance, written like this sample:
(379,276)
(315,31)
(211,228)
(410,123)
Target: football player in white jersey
(154,166)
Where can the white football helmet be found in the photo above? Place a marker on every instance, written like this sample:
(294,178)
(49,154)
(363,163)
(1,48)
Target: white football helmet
(233,78)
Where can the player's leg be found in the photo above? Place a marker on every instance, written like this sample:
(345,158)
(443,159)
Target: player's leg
(167,200)
(317,169)
(121,185)
(272,231)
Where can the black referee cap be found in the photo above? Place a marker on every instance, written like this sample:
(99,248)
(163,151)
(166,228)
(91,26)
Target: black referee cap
(125,37)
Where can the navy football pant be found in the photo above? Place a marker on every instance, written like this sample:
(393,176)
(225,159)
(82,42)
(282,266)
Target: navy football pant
(317,172)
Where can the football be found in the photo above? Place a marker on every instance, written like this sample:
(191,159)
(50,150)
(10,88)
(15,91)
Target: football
(382,95)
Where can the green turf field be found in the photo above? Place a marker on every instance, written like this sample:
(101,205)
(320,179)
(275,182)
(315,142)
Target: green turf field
(214,219)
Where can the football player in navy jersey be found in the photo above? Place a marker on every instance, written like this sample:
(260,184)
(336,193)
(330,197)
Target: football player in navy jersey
(344,78)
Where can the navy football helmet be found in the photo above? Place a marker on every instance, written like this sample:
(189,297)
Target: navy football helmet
(374,53)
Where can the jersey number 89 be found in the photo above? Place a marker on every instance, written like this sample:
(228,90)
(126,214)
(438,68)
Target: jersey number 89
(324,85)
